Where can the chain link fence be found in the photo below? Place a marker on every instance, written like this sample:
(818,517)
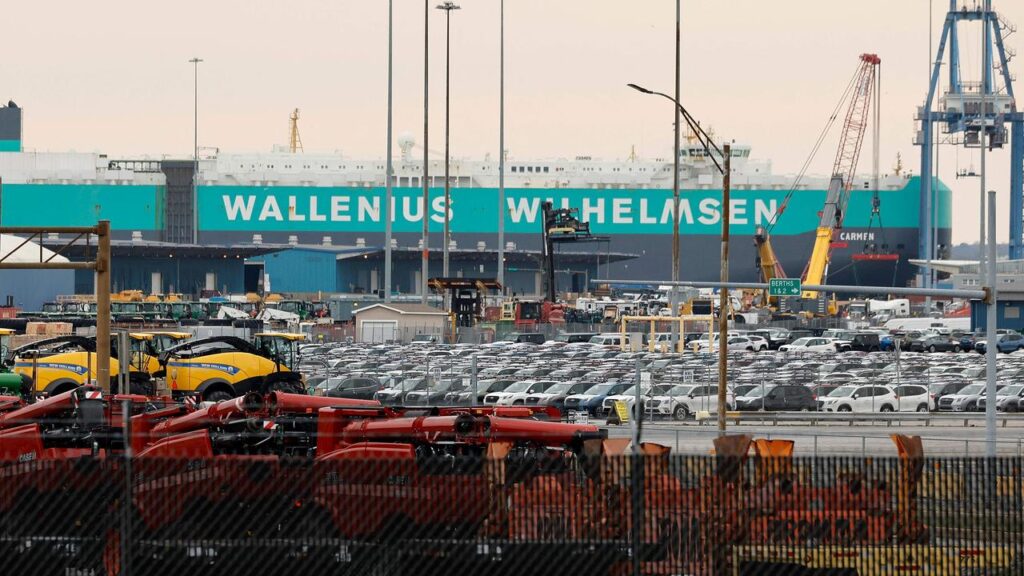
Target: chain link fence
(406,508)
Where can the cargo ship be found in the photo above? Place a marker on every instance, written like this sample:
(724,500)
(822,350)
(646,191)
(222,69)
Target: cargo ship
(281,197)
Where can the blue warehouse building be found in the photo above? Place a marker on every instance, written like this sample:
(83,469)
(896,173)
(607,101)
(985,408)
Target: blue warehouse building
(315,270)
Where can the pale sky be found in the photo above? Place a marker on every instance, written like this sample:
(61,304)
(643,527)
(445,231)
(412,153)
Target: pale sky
(113,76)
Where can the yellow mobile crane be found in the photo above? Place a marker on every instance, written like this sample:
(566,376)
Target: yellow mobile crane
(843,171)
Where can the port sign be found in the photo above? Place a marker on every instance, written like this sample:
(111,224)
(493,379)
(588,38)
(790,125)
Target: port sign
(784,287)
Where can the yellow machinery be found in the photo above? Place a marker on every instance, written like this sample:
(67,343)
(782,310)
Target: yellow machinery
(843,172)
(147,346)
(652,342)
(56,365)
(224,367)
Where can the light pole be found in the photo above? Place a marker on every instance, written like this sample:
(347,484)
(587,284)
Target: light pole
(447,7)
(390,169)
(674,294)
(501,151)
(424,263)
(195,149)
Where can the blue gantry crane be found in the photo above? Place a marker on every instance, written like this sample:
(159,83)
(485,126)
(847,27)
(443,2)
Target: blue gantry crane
(960,112)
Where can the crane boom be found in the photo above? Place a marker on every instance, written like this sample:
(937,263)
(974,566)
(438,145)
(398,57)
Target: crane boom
(844,170)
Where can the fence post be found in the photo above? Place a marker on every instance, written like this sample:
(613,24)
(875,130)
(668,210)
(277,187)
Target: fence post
(473,380)
(126,501)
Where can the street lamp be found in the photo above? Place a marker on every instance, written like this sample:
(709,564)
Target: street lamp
(501,152)
(195,150)
(390,168)
(425,249)
(447,7)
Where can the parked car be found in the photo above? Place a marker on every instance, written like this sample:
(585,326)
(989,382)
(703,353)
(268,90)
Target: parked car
(575,337)
(629,396)
(933,343)
(866,342)
(683,401)
(859,399)
(774,336)
(592,400)
(1009,399)
(1005,343)
(810,345)
(556,395)
(359,387)
(913,398)
(777,397)
(517,393)
(966,400)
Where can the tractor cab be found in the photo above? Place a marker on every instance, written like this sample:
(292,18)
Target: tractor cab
(281,347)
(147,346)
(5,346)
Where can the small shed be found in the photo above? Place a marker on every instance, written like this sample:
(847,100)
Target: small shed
(398,322)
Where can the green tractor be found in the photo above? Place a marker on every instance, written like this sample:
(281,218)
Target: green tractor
(11,384)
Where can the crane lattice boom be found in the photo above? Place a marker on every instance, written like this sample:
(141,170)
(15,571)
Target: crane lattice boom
(843,171)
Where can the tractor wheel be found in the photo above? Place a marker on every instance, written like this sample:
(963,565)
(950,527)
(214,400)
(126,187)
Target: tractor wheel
(217,396)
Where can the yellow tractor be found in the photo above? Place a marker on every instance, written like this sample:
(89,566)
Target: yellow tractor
(56,365)
(223,367)
(147,347)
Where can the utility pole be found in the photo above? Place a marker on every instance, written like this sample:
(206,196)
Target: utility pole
(447,7)
(674,294)
(501,151)
(425,264)
(195,150)
(389,172)
(723,300)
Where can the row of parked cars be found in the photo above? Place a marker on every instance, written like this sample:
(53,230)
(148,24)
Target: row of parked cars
(589,377)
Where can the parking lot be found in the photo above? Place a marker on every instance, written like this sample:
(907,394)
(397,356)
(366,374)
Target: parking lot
(588,378)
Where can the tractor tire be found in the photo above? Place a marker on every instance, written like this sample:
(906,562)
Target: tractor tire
(217,396)
(289,382)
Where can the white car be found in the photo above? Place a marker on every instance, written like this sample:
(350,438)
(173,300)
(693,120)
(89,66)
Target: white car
(809,344)
(559,390)
(859,399)
(629,396)
(913,398)
(517,393)
(683,401)
(967,399)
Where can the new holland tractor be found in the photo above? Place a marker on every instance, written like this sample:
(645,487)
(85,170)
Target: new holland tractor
(224,367)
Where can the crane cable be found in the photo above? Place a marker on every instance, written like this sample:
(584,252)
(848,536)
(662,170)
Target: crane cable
(814,150)
(876,201)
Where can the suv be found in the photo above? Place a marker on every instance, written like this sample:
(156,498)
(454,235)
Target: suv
(780,397)
(859,399)
(866,342)
(913,398)
(775,336)
(525,338)
(1006,343)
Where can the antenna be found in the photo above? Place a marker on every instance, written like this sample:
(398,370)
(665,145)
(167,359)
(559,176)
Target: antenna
(294,140)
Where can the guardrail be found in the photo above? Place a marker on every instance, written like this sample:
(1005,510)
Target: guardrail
(851,418)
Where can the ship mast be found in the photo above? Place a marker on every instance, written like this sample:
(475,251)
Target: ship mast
(294,140)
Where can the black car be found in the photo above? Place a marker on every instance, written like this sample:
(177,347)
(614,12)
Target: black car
(788,397)
(358,387)
(937,391)
(866,342)
(775,336)
(795,335)
(933,343)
